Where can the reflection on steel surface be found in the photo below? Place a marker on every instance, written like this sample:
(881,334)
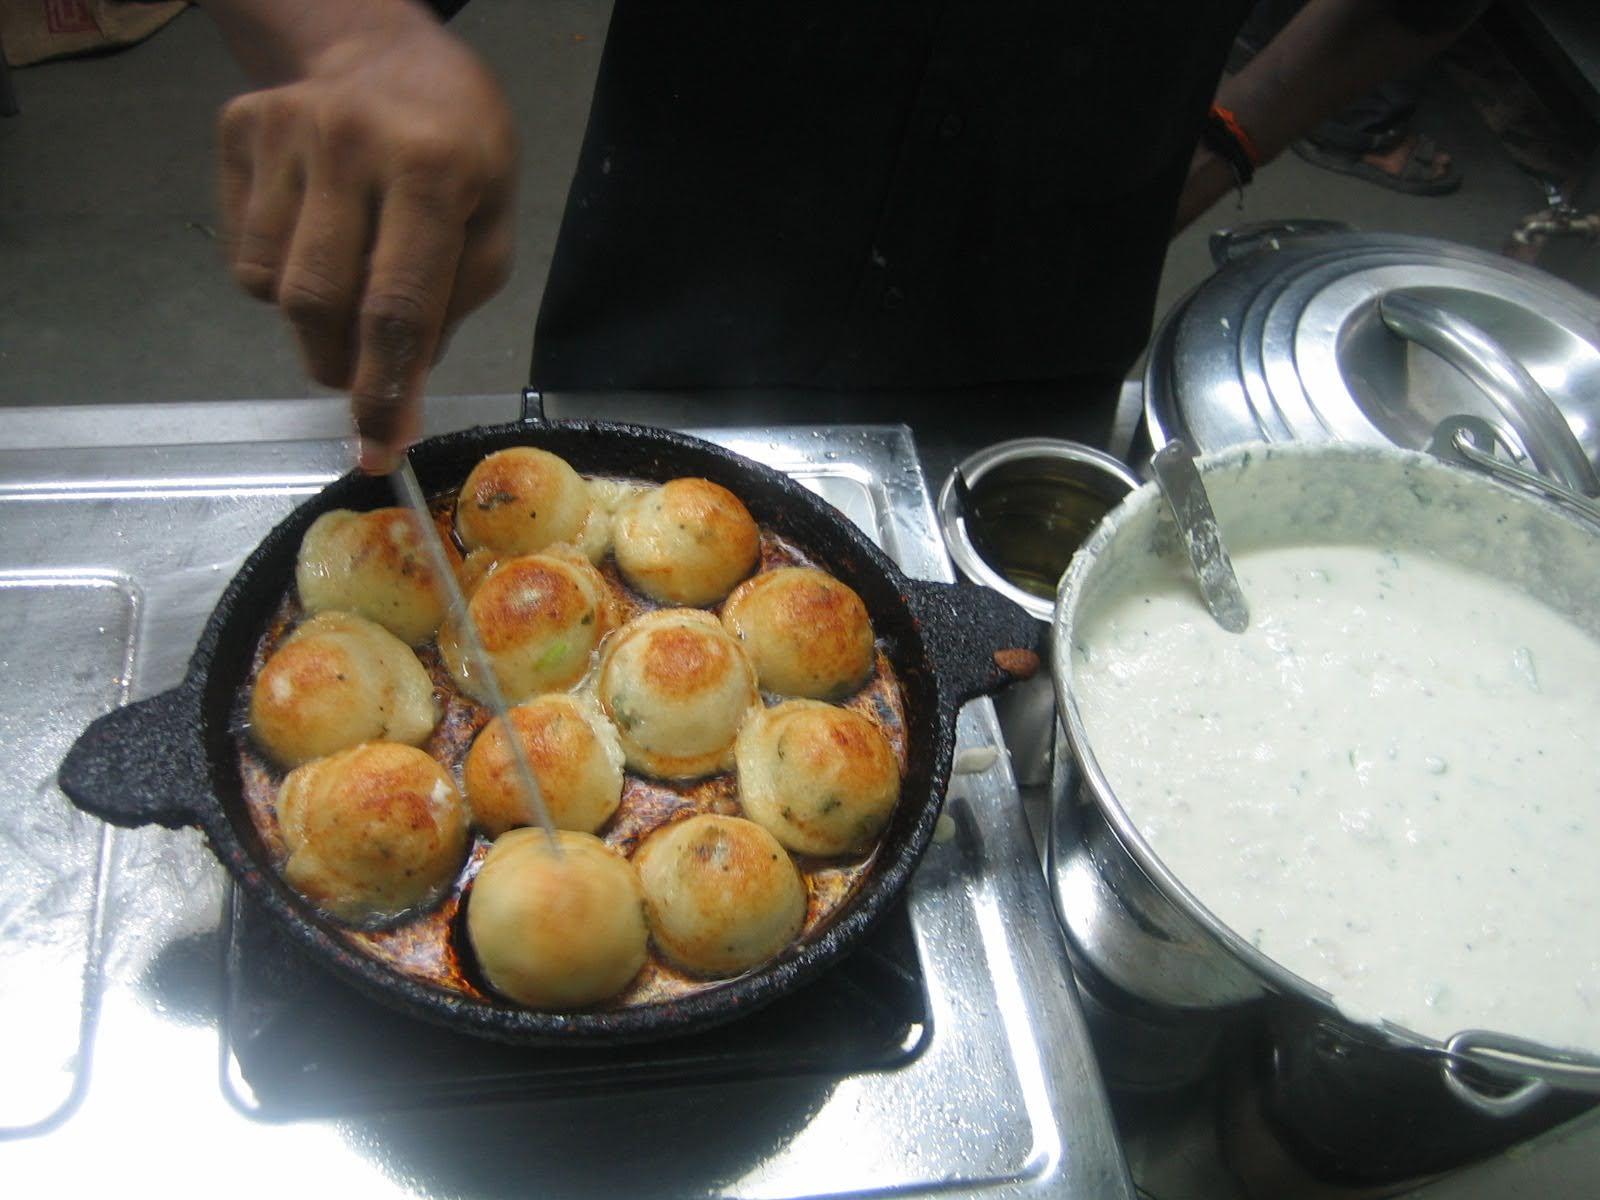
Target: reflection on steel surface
(999,1096)
(68,635)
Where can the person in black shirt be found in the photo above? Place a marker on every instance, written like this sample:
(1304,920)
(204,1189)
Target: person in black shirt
(832,198)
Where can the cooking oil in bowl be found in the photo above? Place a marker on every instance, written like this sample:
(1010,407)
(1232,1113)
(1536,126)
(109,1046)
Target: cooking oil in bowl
(1029,522)
(1028,505)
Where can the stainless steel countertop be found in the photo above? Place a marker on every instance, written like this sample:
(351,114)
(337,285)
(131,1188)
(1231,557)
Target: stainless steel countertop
(120,527)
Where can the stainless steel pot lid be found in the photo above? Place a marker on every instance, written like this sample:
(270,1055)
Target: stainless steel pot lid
(1286,342)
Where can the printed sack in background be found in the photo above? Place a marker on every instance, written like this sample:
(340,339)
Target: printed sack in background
(34,30)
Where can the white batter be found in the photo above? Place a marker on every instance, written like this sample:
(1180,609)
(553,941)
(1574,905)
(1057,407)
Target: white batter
(1390,784)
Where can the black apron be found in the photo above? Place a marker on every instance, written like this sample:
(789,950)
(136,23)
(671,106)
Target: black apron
(904,196)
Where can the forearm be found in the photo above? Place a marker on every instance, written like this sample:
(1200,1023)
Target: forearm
(1332,53)
(280,40)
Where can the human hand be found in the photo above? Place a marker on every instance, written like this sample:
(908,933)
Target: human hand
(371,199)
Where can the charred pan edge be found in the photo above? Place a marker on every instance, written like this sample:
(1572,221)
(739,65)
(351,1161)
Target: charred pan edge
(221,664)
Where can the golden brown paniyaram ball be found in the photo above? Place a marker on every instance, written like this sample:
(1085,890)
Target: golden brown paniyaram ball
(372,564)
(338,680)
(721,894)
(556,931)
(686,542)
(521,500)
(807,633)
(823,780)
(372,831)
(677,687)
(474,567)
(575,756)
(540,616)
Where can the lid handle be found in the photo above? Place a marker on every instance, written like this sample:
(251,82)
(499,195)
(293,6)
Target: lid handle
(1532,415)
(1472,442)
(1230,245)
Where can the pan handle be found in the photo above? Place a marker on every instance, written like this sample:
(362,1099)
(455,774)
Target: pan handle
(977,639)
(143,763)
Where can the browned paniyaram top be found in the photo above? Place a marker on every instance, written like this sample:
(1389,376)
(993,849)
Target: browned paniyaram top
(431,945)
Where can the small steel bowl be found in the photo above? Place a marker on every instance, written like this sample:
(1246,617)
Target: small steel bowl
(1033,503)
(1026,507)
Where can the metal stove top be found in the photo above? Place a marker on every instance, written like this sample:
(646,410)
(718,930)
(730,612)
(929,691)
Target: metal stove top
(147,1032)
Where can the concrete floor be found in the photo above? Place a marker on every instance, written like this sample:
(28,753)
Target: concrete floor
(111,287)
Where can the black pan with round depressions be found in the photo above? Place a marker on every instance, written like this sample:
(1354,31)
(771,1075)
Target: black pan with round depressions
(172,759)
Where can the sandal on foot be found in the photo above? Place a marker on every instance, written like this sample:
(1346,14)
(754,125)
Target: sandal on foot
(1416,178)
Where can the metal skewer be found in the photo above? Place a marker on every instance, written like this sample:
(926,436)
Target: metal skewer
(409,491)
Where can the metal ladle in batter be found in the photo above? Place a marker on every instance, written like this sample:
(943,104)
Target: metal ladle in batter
(1186,499)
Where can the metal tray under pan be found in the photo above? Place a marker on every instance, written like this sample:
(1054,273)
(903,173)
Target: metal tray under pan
(120,965)
(173,760)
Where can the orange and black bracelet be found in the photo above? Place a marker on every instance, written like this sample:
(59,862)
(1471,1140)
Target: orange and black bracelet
(1227,139)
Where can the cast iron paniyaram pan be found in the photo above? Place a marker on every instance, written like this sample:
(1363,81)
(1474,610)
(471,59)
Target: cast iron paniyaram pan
(172,760)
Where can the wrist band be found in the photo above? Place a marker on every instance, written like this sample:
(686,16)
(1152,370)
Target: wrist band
(1227,139)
